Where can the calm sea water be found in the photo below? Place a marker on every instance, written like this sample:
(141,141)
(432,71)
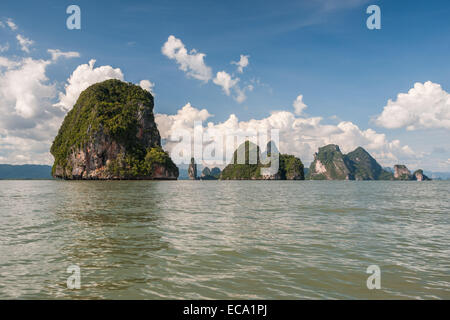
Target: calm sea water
(224,239)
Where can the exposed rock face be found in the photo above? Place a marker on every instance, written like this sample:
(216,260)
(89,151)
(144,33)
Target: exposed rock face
(329,164)
(418,175)
(401,172)
(192,170)
(111,134)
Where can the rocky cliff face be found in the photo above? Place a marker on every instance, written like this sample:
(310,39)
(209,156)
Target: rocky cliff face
(192,170)
(401,172)
(330,164)
(110,133)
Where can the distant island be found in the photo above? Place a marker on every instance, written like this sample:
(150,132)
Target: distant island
(111,134)
(207,174)
(330,164)
(290,167)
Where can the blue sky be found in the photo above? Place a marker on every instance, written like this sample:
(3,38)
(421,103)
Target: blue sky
(320,49)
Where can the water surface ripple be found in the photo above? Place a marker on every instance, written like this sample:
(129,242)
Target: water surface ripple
(224,239)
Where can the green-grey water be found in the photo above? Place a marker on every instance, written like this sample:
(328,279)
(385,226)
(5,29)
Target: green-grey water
(224,239)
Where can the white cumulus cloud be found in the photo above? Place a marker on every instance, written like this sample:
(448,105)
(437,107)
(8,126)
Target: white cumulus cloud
(225,81)
(425,106)
(230,84)
(147,85)
(299,136)
(242,63)
(23,87)
(29,122)
(191,62)
(84,76)
(299,105)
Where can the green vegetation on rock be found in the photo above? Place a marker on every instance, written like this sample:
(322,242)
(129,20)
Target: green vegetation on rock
(250,167)
(291,168)
(246,163)
(330,164)
(110,133)
(129,167)
(364,167)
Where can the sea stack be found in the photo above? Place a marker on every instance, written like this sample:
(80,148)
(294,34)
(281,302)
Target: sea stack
(111,134)
(192,170)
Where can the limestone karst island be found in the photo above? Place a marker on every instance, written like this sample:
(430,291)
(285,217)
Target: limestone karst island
(111,134)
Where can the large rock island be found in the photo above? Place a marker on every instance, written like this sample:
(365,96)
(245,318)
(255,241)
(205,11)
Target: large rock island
(111,134)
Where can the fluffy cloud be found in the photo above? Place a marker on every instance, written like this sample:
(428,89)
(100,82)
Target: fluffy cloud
(225,81)
(299,105)
(229,84)
(425,106)
(24,43)
(147,85)
(29,121)
(190,62)
(84,76)
(184,119)
(56,54)
(242,63)
(193,64)
(299,136)
(23,87)
(10,23)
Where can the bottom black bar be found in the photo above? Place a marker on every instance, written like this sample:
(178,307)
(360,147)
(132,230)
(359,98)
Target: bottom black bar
(225,309)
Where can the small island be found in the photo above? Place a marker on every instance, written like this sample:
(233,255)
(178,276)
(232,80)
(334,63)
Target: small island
(290,167)
(111,134)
